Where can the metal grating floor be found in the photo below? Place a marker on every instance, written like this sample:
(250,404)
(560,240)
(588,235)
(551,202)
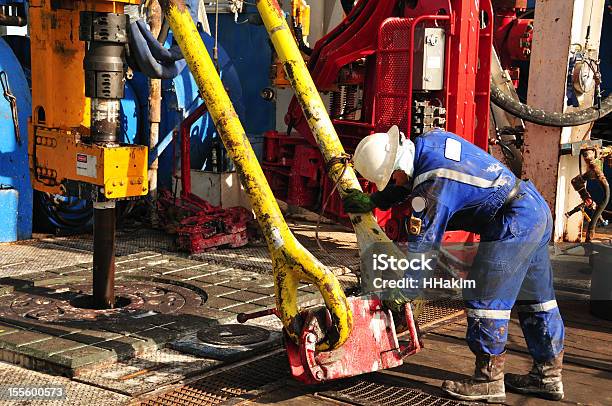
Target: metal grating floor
(129,241)
(367,392)
(248,380)
(77,393)
(437,311)
(231,383)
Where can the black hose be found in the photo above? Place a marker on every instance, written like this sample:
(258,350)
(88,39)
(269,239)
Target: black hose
(297,30)
(589,158)
(601,207)
(355,12)
(546,118)
(142,54)
(158,51)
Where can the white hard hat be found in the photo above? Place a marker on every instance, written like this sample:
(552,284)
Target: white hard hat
(375,156)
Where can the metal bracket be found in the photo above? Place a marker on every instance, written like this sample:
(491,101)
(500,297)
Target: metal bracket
(574,148)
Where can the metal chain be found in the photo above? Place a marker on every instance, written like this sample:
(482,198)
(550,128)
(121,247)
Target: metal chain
(10,97)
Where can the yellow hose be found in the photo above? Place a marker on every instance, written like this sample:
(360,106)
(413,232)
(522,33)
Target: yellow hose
(291,261)
(366,227)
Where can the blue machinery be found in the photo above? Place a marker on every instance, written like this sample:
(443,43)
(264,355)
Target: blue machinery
(15,187)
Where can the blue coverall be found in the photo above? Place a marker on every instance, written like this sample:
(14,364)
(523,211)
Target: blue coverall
(465,188)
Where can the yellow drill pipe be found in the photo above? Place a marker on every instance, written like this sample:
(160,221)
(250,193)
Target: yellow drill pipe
(291,261)
(366,227)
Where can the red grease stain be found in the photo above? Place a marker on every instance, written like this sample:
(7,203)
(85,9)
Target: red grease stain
(277,7)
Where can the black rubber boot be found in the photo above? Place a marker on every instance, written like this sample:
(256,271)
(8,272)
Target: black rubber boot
(544,380)
(486,385)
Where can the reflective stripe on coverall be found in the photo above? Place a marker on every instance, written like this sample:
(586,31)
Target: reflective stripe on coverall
(465,188)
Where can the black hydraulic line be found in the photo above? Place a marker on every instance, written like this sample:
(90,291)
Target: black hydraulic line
(297,30)
(547,118)
(146,62)
(347,5)
(160,53)
(355,12)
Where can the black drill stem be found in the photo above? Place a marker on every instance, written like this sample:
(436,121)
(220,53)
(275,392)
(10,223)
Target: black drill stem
(104,259)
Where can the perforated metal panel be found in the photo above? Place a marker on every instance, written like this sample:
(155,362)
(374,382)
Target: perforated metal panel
(392,75)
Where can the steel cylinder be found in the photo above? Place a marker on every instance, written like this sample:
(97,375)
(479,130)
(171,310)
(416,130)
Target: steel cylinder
(105,120)
(105,66)
(104,256)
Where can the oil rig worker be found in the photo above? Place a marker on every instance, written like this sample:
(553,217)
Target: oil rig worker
(454,185)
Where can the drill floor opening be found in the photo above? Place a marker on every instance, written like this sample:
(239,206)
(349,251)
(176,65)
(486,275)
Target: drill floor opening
(87,302)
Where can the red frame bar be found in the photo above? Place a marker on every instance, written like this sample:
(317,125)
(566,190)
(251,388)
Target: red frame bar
(186,148)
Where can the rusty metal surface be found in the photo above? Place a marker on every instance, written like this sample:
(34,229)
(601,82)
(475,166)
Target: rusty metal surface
(229,342)
(234,382)
(233,335)
(147,372)
(60,305)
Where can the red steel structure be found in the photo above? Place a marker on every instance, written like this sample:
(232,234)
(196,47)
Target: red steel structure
(199,225)
(513,34)
(368,67)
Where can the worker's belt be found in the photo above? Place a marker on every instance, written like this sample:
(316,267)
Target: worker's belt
(513,195)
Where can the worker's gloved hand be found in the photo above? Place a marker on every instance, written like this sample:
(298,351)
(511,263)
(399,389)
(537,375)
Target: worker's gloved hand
(396,302)
(356,201)
(390,196)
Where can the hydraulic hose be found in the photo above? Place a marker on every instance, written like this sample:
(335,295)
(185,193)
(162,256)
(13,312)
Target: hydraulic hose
(146,62)
(300,40)
(547,118)
(589,158)
(160,53)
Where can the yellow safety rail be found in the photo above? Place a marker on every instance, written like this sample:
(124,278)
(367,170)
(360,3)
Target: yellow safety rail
(291,261)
